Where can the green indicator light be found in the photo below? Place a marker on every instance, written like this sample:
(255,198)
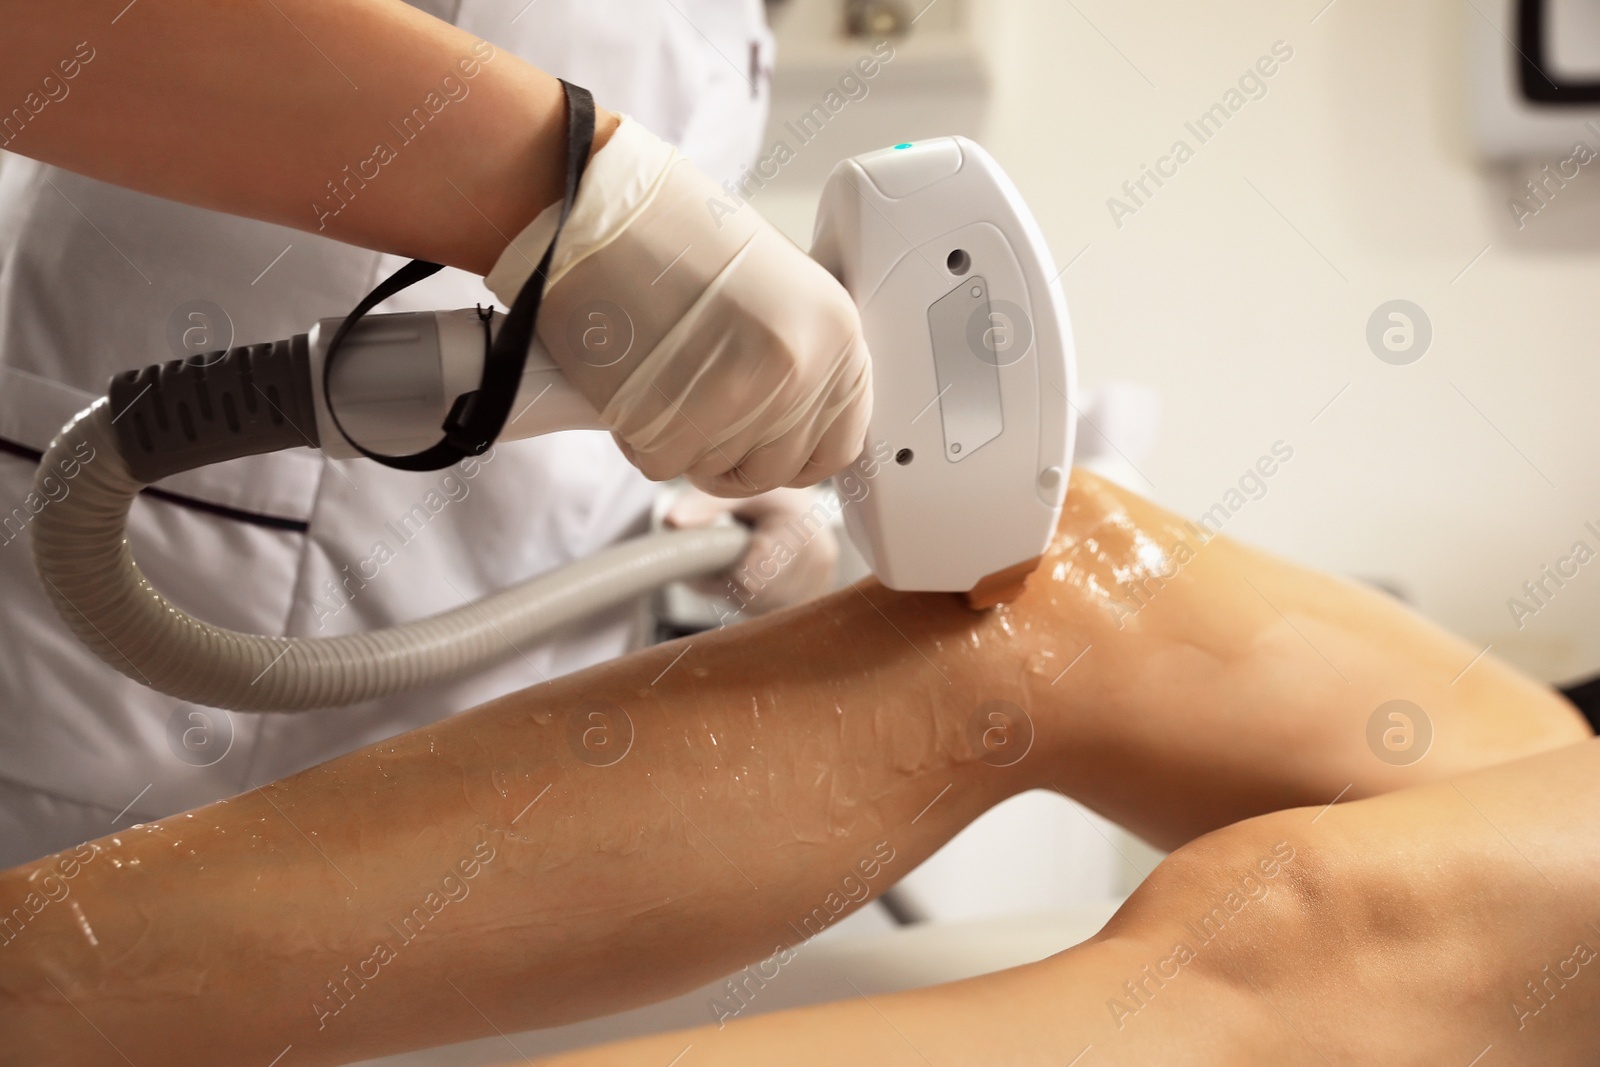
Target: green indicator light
(906,145)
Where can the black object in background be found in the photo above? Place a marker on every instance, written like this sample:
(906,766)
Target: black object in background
(1585,695)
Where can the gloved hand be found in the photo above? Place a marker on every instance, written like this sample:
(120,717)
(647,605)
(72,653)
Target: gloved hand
(793,550)
(709,343)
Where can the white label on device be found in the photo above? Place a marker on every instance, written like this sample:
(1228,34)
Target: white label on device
(969,377)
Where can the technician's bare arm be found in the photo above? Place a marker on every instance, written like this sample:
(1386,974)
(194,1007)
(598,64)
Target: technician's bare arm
(253,107)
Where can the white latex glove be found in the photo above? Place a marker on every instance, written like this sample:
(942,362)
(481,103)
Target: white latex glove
(793,551)
(709,343)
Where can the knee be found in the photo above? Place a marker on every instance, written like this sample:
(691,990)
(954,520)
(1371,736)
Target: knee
(1248,901)
(1276,901)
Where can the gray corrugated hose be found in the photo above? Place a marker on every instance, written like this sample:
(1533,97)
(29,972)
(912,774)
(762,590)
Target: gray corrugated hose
(82,555)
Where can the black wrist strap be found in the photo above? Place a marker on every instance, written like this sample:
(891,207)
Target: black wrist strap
(476,418)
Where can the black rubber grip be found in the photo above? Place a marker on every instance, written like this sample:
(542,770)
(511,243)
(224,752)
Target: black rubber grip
(189,413)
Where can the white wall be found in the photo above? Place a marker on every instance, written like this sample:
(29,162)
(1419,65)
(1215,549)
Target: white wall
(1242,289)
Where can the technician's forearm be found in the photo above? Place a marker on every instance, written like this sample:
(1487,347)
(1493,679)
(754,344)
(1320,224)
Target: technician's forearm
(364,120)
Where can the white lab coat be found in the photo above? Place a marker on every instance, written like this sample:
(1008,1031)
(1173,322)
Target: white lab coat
(91,279)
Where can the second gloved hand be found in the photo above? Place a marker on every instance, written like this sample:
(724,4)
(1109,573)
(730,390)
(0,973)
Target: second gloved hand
(793,554)
(711,345)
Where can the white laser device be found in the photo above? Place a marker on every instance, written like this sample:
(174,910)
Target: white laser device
(971,440)
(972,365)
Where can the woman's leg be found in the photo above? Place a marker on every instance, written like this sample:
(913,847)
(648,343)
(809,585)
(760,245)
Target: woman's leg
(1452,923)
(620,835)
(1222,682)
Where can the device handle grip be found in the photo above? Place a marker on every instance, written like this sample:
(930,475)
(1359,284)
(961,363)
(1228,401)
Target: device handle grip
(398,375)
